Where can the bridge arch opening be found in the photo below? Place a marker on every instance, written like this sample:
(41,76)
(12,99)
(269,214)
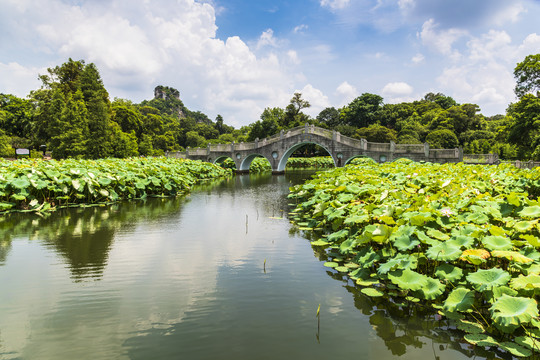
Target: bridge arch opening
(225,162)
(246,163)
(304,145)
(350,160)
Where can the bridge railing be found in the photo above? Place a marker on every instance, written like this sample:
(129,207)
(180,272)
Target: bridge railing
(221,147)
(322,132)
(443,153)
(480,158)
(381,147)
(352,142)
(197,152)
(522,164)
(409,148)
(244,146)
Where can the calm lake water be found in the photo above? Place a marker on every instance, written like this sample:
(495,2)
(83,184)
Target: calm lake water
(218,274)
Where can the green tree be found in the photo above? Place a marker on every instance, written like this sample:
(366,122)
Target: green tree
(442,139)
(293,112)
(524,129)
(445,102)
(330,117)
(527,74)
(362,111)
(376,133)
(16,116)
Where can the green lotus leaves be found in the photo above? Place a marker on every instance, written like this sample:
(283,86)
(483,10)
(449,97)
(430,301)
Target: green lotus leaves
(530,212)
(444,251)
(408,279)
(448,272)
(320,243)
(497,243)
(528,282)
(433,289)
(21,182)
(524,226)
(404,243)
(470,327)
(331,264)
(486,279)
(512,256)
(460,299)
(462,248)
(372,292)
(509,312)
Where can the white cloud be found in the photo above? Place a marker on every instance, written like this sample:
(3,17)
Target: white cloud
(485,74)
(18,79)
(267,39)
(300,28)
(397,92)
(418,58)
(137,46)
(293,57)
(346,93)
(316,98)
(335,4)
(441,40)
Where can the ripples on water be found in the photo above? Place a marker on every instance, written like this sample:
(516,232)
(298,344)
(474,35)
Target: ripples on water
(213,275)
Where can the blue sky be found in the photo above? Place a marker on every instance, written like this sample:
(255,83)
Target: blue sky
(236,57)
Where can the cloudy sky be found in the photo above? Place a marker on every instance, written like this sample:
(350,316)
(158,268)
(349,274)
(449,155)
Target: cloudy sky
(236,57)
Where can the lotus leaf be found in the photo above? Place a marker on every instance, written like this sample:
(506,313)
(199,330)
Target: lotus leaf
(434,233)
(524,226)
(448,272)
(530,212)
(509,312)
(515,349)
(21,182)
(331,264)
(460,299)
(497,243)
(401,261)
(462,241)
(481,253)
(405,242)
(525,282)
(477,218)
(528,342)
(433,289)
(445,251)
(319,243)
(342,269)
(486,279)
(426,239)
(532,240)
(481,340)
(470,327)
(372,292)
(513,256)
(408,279)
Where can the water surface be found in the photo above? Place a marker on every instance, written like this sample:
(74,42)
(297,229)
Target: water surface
(218,274)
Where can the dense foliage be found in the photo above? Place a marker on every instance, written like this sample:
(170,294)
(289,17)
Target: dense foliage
(458,238)
(73,104)
(39,185)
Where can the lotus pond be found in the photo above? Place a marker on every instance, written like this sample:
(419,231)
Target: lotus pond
(458,240)
(219,273)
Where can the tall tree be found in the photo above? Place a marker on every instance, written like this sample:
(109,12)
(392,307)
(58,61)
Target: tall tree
(527,74)
(362,111)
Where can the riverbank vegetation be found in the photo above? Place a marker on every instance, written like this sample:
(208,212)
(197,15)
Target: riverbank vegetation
(73,103)
(40,185)
(460,239)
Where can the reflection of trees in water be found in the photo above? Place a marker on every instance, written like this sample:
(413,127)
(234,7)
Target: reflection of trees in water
(83,236)
(403,325)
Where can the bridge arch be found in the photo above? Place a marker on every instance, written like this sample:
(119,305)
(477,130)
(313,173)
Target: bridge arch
(283,161)
(359,157)
(246,161)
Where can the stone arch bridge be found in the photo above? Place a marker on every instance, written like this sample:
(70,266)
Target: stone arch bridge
(278,148)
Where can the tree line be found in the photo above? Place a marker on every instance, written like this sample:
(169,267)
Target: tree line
(72,115)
